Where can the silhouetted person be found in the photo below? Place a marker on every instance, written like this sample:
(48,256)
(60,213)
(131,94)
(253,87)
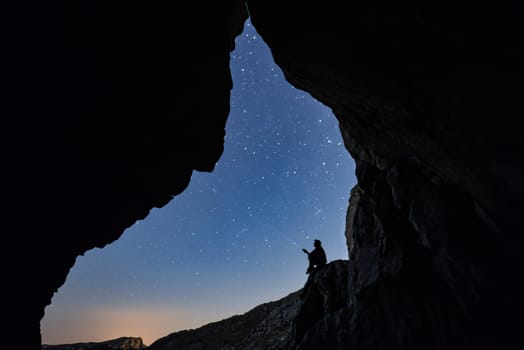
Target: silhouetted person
(317,257)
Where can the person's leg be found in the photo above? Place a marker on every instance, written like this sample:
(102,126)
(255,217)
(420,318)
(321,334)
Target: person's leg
(310,267)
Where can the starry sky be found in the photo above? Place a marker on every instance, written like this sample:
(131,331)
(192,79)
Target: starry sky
(232,240)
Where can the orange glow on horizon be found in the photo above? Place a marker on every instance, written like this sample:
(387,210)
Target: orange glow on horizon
(101,324)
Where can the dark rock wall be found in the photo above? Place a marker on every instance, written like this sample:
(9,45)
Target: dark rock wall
(319,323)
(107,108)
(427,274)
(428,100)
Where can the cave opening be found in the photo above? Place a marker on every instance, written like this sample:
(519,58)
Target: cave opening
(233,238)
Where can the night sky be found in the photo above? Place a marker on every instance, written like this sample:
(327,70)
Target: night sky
(233,238)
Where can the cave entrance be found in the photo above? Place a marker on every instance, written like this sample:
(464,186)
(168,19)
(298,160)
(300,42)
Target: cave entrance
(233,238)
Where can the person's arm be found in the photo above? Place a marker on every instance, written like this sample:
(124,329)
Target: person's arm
(305,251)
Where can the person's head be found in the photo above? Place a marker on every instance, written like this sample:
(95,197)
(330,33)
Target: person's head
(317,243)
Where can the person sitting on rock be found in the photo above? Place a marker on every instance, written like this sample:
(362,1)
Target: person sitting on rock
(317,257)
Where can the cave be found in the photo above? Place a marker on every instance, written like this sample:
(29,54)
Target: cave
(106,117)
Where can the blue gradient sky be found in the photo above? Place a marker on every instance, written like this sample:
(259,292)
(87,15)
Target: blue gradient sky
(233,239)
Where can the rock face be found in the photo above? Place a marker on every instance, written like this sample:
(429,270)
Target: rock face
(110,106)
(268,326)
(324,298)
(124,343)
(301,316)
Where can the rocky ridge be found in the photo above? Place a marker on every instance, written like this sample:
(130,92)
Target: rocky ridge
(123,343)
(280,325)
(267,326)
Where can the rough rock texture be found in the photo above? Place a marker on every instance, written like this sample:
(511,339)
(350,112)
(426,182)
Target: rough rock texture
(428,96)
(324,297)
(108,107)
(274,331)
(268,326)
(124,343)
